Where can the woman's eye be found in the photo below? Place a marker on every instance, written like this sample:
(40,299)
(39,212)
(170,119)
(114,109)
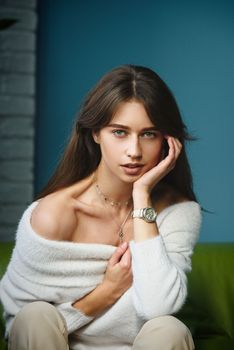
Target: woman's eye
(149,134)
(119,133)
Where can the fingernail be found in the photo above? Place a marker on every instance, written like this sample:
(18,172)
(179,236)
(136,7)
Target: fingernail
(124,245)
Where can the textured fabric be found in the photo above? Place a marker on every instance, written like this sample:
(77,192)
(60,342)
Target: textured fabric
(164,333)
(160,264)
(63,272)
(39,326)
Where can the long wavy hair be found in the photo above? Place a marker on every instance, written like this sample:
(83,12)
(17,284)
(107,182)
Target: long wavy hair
(125,83)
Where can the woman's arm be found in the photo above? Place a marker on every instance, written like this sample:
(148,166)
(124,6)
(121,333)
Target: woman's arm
(117,279)
(160,264)
(160,258)
(143,186)
(143,230)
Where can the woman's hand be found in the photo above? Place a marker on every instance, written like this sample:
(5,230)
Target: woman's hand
(117,279)
(147,181)
(118,276)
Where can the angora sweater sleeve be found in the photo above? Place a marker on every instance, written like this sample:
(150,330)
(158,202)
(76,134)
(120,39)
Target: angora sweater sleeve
(58,272)
(74,318)
(160,264)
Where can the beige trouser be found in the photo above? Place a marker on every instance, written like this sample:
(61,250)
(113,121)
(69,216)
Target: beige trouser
(39,326)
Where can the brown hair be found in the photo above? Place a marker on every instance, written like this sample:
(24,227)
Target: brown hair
(124,83)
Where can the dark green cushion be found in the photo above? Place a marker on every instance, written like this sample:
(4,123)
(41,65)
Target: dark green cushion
(209,309)
(5,253)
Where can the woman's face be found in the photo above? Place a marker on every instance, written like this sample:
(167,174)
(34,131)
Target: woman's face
(130,144)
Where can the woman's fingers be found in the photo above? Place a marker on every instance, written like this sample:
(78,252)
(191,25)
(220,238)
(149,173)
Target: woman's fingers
(154,175)
(178,147)
(126,259)
(174,151)
(119,252)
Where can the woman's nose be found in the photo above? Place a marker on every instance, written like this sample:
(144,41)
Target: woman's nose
(134,148)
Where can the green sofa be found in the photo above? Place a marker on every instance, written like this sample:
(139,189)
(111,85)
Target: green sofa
(209,309)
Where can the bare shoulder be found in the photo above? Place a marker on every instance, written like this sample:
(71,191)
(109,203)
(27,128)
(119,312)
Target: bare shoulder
(54,217)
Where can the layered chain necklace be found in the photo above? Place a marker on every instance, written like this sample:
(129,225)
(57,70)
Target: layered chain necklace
(106,200)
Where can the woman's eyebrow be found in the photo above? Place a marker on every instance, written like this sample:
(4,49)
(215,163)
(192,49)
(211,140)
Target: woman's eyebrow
(120,126)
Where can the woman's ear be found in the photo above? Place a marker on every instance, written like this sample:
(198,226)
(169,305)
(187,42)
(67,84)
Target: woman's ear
(95,136)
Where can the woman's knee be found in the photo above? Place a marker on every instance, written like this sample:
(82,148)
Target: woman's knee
(167,331)
(36,314)
(40,325)
(34,311)
(168,323)
(174,327)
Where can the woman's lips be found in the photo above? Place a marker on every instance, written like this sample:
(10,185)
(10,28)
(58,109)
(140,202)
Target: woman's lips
(132,169)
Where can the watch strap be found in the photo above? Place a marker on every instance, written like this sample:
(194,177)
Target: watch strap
(143,213)
(138,213)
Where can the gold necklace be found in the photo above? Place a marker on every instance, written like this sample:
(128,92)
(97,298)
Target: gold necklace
(121,232)
(112,203)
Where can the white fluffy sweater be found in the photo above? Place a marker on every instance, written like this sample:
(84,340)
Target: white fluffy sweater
(63,272)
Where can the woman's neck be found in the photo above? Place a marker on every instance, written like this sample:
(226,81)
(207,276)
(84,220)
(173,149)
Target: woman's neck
(112,187)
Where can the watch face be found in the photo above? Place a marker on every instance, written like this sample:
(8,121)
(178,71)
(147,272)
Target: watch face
(150,214)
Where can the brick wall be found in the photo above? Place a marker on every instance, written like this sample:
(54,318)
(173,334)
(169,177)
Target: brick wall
(17,112)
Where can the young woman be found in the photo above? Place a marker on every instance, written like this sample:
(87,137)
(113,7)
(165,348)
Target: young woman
(101,257)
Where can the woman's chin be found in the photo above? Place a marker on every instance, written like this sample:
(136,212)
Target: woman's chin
(131,178)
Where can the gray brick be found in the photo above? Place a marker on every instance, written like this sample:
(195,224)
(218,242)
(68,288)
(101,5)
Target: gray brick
(16,126)
(17,109)
(11,214)
(11,40)
(7,233)
(15,192)
(17,62)
(17,105)
(16,171)
(26,18)
(16,149)
(19,3)
(17,84)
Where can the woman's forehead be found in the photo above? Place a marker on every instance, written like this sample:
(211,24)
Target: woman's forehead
(131,112)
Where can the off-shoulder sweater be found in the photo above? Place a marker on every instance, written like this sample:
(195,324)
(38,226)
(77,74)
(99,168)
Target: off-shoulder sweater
(61,272)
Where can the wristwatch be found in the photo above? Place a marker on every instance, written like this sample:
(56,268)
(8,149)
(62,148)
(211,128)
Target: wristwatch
(148,214)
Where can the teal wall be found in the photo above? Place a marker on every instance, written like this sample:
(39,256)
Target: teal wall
(189,43)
